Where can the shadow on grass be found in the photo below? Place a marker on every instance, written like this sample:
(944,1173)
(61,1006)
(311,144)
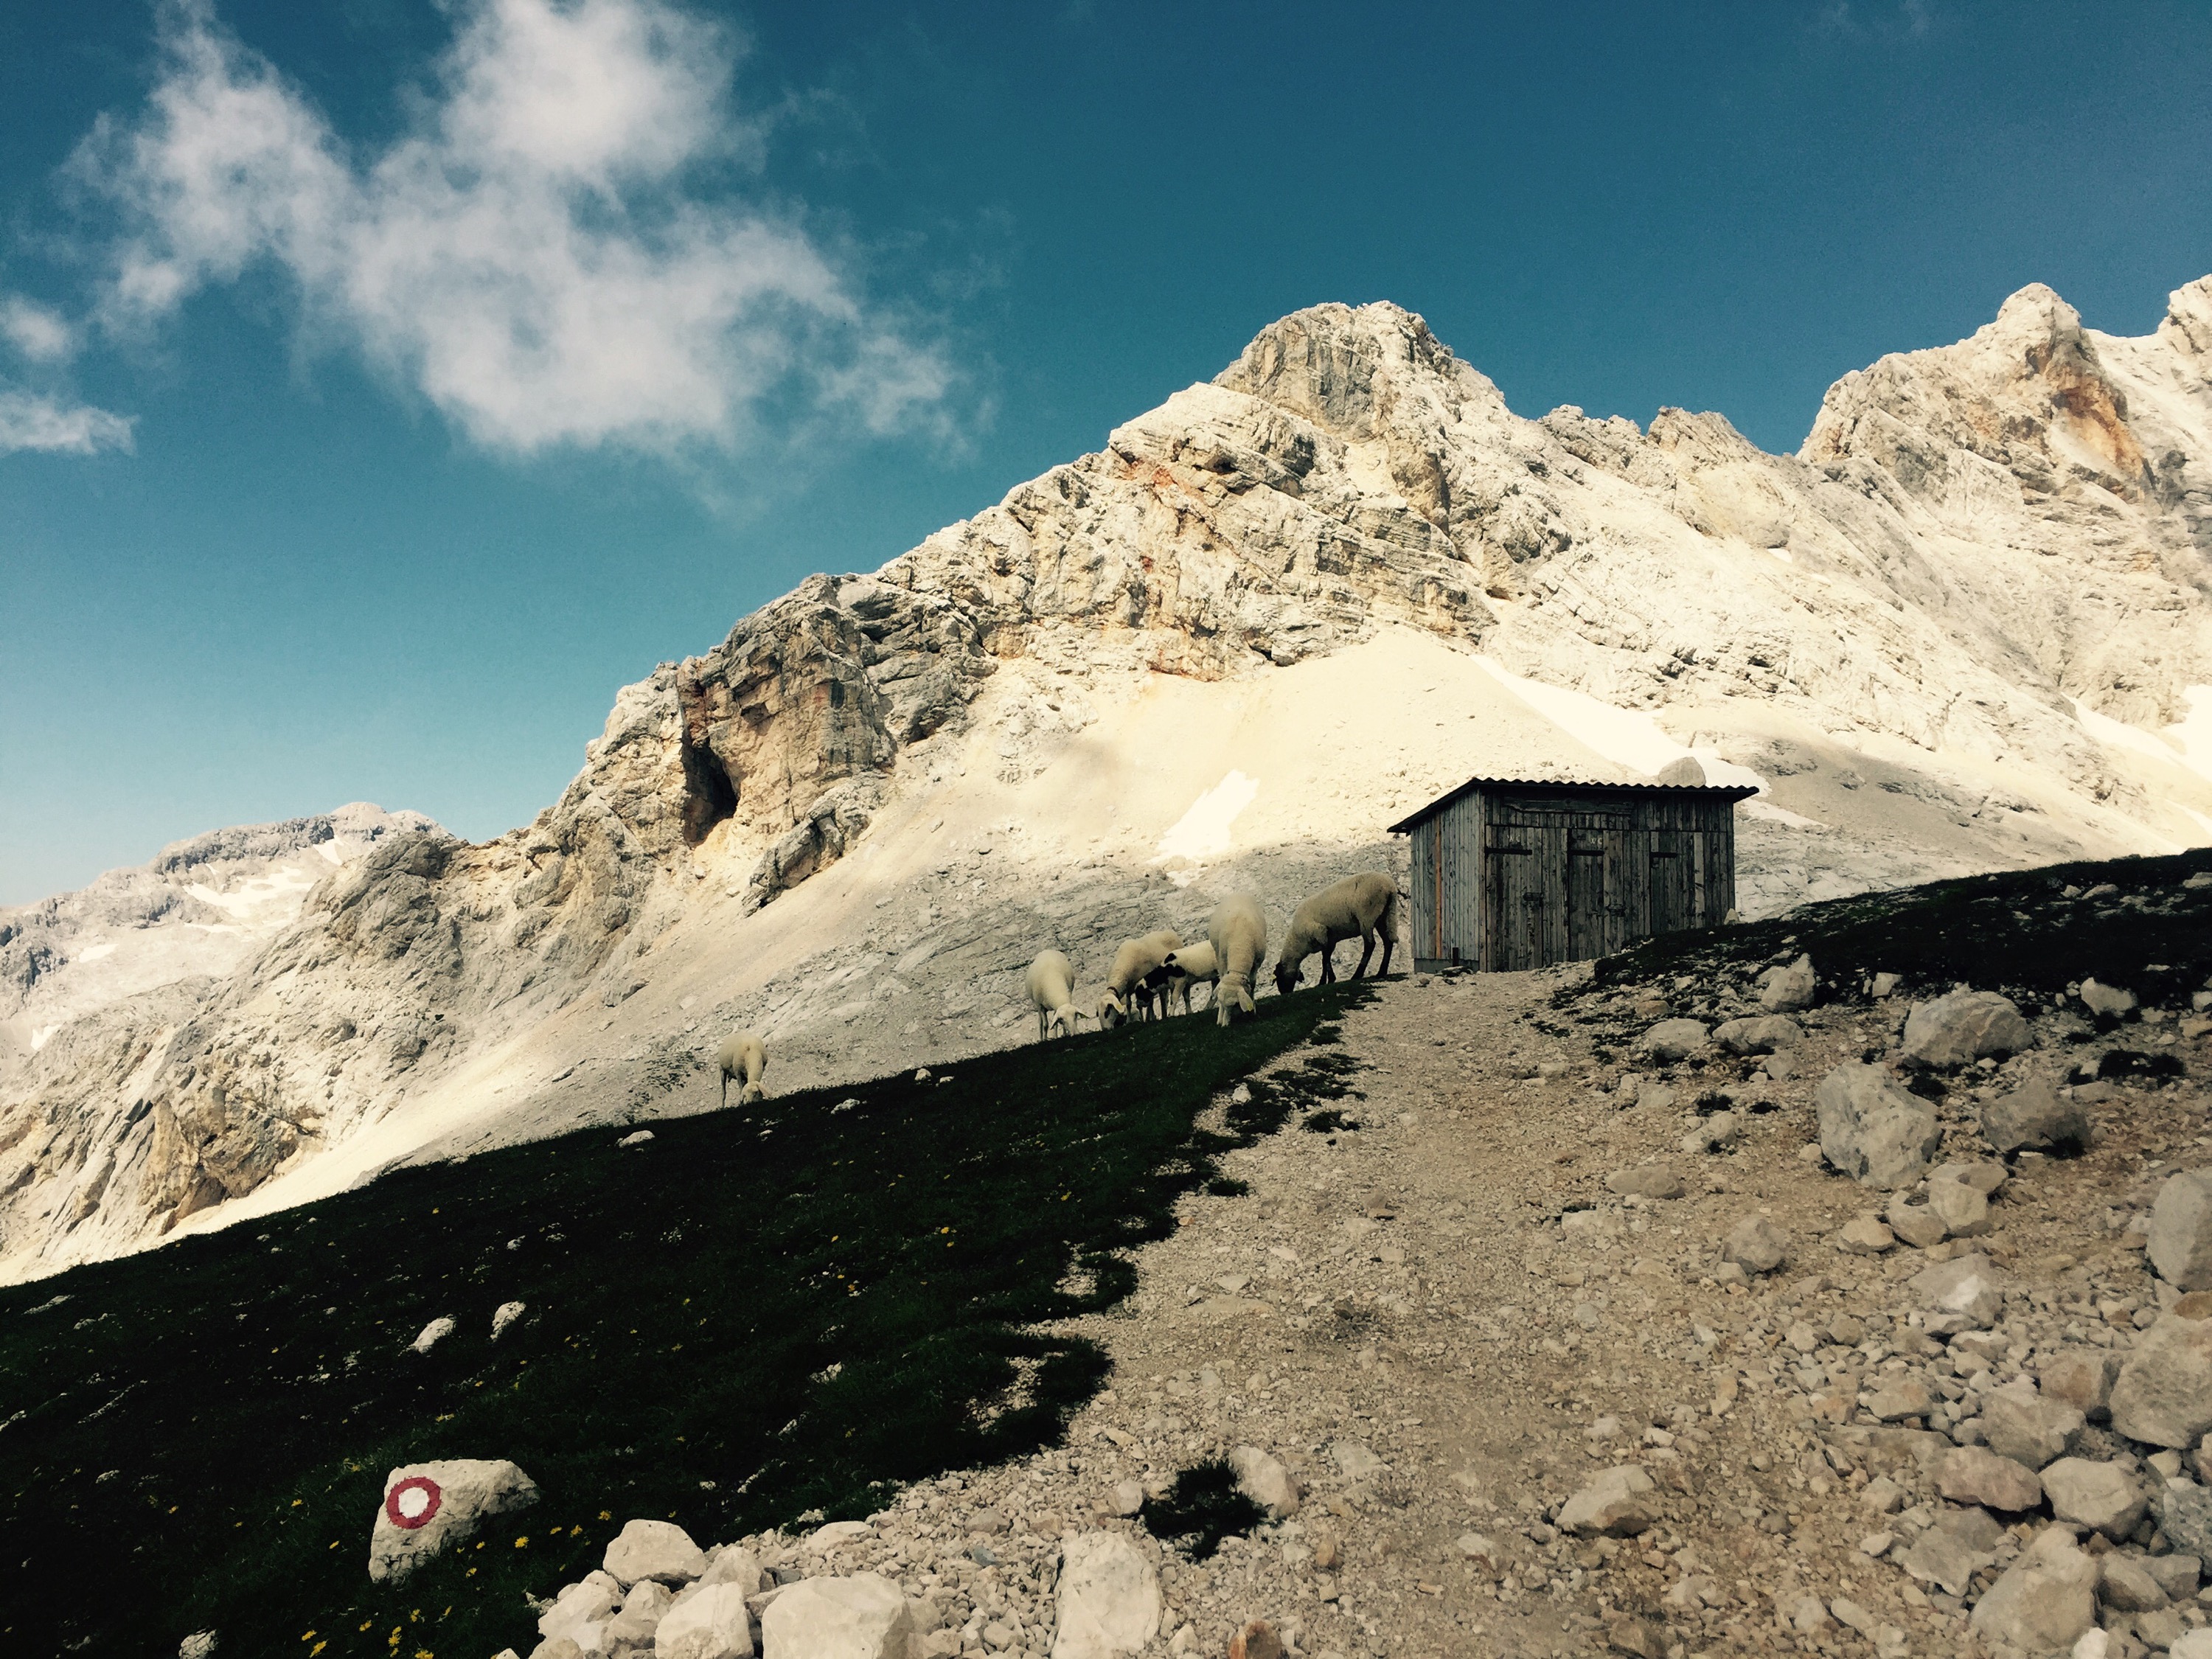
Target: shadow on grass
(755,1315)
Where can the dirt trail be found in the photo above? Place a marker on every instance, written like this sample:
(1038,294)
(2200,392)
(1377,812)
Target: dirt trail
(1445,1323)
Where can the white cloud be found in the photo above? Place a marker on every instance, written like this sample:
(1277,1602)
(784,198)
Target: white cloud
(537,254)
(44,336)
(29,421)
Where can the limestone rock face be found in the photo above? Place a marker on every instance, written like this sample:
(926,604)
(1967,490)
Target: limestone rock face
(429,1507)
(1981,553)
(1874,1129)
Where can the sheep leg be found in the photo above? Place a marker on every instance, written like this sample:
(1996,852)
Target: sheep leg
(726,1090)
(1328,964)
(1366,950)
(1384,968)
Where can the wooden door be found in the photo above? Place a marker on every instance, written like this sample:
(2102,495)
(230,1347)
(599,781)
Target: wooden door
(1589,910)
(1513,889)
(1675,880)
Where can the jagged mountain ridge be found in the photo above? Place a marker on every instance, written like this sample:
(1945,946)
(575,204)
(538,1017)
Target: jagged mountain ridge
(1343,574)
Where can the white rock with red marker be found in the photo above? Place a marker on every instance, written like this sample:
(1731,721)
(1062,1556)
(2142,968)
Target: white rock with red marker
(429,1507)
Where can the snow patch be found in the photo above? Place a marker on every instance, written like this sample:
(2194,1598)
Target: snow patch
(1203,831)
(2187,744)
(38,1036)
(95,953)
(1757,808)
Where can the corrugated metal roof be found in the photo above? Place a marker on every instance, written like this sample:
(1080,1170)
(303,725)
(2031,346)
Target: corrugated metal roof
(1733,792)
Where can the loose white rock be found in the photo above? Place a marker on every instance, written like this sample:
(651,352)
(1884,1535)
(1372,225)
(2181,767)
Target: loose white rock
(2102,1496)
(1787,990)
(1961,1028)
(1873,1129)
(2180,1240)
(429,1507)
(1673,1039)
(432,1334)
(862,1617)
(2044,1601)
(1756,1245)
(708,1621)
(1110,1601)
(1618,1502)
(503,1315)
(654,1549)
(2164,1394)
(1263,1478)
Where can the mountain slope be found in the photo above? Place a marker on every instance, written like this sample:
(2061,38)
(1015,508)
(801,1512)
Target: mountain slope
(1969,626)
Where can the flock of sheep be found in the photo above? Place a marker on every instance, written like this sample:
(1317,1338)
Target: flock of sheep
(1152,972)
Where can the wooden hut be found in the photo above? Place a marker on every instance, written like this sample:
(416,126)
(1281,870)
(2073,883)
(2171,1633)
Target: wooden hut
(1510,873)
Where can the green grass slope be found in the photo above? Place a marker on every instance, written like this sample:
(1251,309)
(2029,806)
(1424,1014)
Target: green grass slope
(752,1317)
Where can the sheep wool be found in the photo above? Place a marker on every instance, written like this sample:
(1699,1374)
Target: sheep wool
(1361,907)
(1186,966)
(743,1057)
(1133,964)
(1052,989)
(1237,931)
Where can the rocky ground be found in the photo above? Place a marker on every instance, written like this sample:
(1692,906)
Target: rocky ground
(1567,1345)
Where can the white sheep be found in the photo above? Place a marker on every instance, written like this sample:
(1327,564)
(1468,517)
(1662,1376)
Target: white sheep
(743,1057)
(1357,905)
(1136,960)
(1189,965)
(1052,989)
(1237,931)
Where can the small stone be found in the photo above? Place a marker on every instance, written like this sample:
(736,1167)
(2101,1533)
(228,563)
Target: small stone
(2081,1379)
(1973,1475)
(837,1533)
(1962,1028)
(2177,1575)
(1898,1399)
(1984,1175)
(1619,1502)
(2103,1496)
(708,1621)
(637,1139)
(2122,1582)
(861,1617)
(654,1549)
(1873,1129)
(1917,1224)
(503,1315)
(1711,1135)
(1965,1212)
(2033,1118)
(1357,1461)
(1762,1035)
(1477,1547)
(2043,1602)
(1110,1601)
(2019,1423)
(1971,1286)
(1646,1180)
(2184,1510)
(1876,1543)
(1638,1637)
(429,1507)
(1128,1498)
(1263,1478)
(1866,1234)
(2164,1392)
(1787,990)
(642,1610)
(1256,1640)
(2180,1240)
(2111,1001)
(432,1334)
(1756,1245)
(1949,1552)
(1673,1039)
(1886,984)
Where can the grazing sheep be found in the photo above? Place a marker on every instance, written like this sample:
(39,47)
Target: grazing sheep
(1132,964)
(1192,964)
(1052,988)
(744,1058)
(1237,931)
(1363,905)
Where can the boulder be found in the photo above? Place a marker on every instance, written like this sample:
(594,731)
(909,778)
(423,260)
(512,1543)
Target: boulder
(1673,1039)
(2192,1644)
(432,1335)
(2045,1600)
(2018,1423)
(708,1621)
(2184,1510)
(1646,1180)
(1914,1222)
(2103,1496)
(633,1627)
(1964,1211)
(862,1617)
(1759,1035)
(2081,1379)
(1873,1129)
(2126,1584)
(2111,1001)
(429,1507)
(2164,1394)
(1621,1502)
(1970,1286)
(1962,1028)
(1866,1234)
(503,1315)
(2181,1242)
(1787,990)
(1109,1598)
(654,1549)
(1263,1478)
(2034,1118)
(734,1566)
(1974,1474)
(1756,1245)
(1950,1552)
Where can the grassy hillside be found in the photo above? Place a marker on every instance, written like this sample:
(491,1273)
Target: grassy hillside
(752,1317)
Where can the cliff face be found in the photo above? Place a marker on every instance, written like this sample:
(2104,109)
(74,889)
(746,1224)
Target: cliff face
(1960,628)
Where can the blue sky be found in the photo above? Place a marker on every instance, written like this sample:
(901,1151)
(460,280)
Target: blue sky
(383,383)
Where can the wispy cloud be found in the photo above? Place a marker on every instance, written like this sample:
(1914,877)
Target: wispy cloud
(551,253)
(36,331)
(1883,19)
(31,422)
